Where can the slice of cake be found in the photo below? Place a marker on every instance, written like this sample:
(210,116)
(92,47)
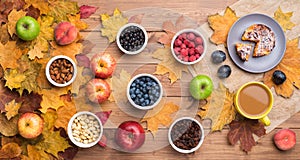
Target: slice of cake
(264,38)
(243,50)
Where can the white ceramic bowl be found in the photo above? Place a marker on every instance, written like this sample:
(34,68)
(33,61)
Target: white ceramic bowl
(70,131)
(183,150)
(197,33)
(144,107)
(119,34)
(47,71)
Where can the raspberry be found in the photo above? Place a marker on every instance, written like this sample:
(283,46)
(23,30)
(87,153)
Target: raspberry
(180,57)
(182,46)
(177,42)
(199,49)
(183,36)
(197,55)
(191,36)
(186,59)
(180,37)
(184,52)
(177,50)
(186,42)
(192,58)
(191,51)
(198,41)
(192,45)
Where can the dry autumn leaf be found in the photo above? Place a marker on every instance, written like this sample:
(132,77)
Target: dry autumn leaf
(219,108)
(8,127)
(168,65)
(60,9)
(6,95)
(75,19)
(12,109)
(119,86)
(32,153)
(65,112)
(112,24)
(70,50)
(51,98)
(81,79)
(10,150)
(243,131)
(6,50)
(13,79)
(13,17)
(43,6)
(4,35)
(30,102)
(221,25)
(161,114)
(86,11)
(290,65)
(284,19)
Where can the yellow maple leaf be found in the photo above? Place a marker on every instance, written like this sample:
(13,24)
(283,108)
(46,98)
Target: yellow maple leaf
(60,9)
(13,17)
(51,98)
(168,64)
(112,24)
(7,59)
(13,78)
(33,154)
(161,114)
(46,29)
(70,50)
(43,6)
(10,150)
(12,109)
(64,113)
(119,86)
(75,19)
(284,19)
(219,108)
(221,25)
(290,65)
(80,80)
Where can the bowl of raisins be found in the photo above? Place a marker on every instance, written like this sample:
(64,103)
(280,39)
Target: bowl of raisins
(186,135)
(132,38)
(144,91)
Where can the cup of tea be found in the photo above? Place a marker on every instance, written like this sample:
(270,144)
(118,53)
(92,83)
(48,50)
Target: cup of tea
(254,100)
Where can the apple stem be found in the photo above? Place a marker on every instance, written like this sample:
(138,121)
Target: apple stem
(25,26)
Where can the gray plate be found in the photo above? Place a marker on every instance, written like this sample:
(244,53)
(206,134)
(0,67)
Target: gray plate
(258,64)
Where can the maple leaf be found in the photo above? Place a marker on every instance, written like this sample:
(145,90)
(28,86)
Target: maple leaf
(161,114)
(81,79)
(290,65)
(6,95)
(75,19)
(70,50)
(219,108)
(30,102)
(13,78)
(60,9)
(12,109)
(171,29)
(103,116)
(4,35)
(32,12)
(6,50)
(6,8)
(8,127)
(10,150)
(243,131)
(42,6)
(119,85)
(136,18)
(65,112)
(51,98)
(168,65)
(112,24)
(33,154)
(221,25)
(13,17)
(284,19)
(86,11)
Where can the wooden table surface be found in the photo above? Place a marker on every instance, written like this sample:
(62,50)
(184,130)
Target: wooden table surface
(215,145)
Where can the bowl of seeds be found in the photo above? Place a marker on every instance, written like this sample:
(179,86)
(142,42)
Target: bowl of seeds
(85,129)
(61,71)
(132,38)
(186,135)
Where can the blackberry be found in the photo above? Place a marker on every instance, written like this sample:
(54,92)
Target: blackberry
(132,38)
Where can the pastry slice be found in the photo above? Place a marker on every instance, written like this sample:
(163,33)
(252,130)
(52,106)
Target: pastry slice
(243,50)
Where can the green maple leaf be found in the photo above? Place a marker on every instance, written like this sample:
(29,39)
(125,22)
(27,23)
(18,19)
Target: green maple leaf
(60,9)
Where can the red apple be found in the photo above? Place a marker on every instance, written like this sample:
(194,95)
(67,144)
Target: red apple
(98,90)
(30,125)
(130,136)
(103,65)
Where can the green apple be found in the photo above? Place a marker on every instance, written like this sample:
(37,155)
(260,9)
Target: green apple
(27,28)
(201,87)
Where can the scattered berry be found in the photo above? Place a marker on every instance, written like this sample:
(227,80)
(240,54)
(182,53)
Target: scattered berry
(224,71)
(218,56)
(278,77)
(285,139)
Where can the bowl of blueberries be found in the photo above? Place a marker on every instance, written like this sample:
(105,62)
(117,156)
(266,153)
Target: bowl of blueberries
(132,38)
(144,91)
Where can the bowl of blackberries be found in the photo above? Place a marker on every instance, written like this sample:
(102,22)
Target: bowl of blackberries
(186,135)
(144,91)
(132,38)
(188,46)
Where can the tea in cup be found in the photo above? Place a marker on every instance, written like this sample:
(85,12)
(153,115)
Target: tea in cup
(254,100)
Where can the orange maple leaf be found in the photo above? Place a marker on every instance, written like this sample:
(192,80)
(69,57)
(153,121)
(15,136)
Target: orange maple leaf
(221,25)
(65,112)
(51,98)
(10,150)
(7,59)
(70,50)
(13,17)
(290,65)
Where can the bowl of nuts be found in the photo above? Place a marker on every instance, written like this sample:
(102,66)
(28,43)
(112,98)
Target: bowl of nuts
(186,135)
(85,129)
(61,71)
(188,46)
(132,38)
(144,91)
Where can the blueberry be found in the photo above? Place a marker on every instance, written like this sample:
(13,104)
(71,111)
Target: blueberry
(224,71)
(147,101)
(142,100)
(133,84)
(278,77)
(146,96)
(218,56)
(139,95)
(143,104)
(137,91)
(132,96)
(136,101)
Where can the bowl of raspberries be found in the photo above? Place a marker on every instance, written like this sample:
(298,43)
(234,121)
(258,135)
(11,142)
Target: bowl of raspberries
(144,91)
(188,46)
